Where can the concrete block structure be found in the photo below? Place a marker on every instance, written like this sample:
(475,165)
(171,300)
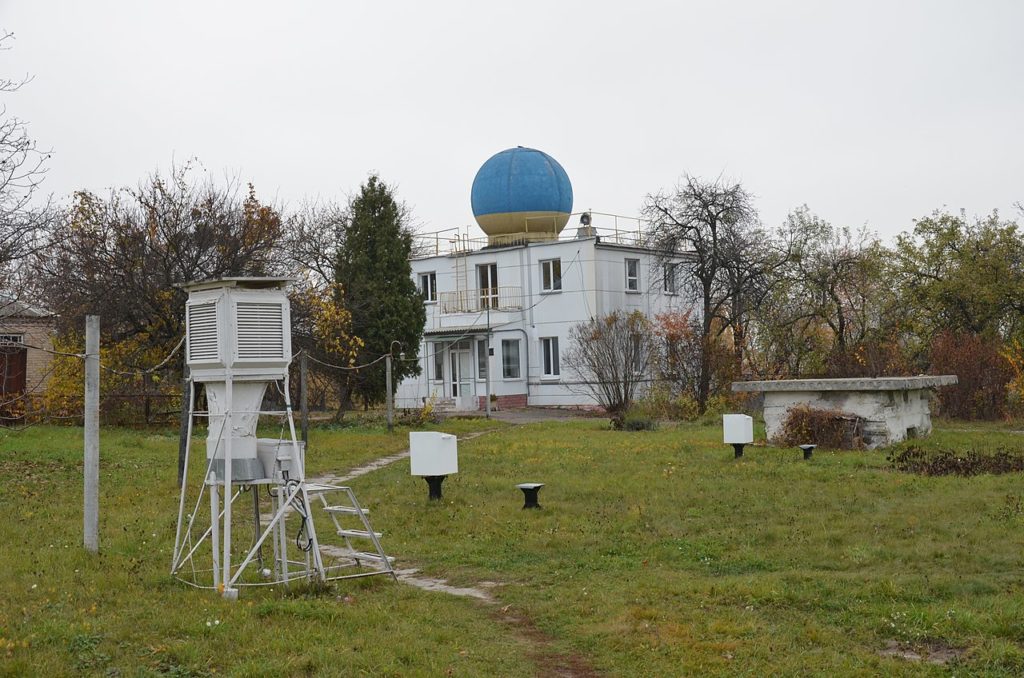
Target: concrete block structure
(893,408)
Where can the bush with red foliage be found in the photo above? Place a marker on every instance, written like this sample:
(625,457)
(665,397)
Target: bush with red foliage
(983,374)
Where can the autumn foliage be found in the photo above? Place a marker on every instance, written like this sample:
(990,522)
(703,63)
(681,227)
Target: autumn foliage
(983,370)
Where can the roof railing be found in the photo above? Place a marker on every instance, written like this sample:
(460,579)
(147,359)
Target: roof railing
(610,228)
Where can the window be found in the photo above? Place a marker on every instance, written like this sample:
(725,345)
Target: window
(481,359)
(428,286)
(639,357)
(8,339)
(510,358)
(668,278)
(487,274)
(632,275)
(549,347)
(551,275)
(438,361)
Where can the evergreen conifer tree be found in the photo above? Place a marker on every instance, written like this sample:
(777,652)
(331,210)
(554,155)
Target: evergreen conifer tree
(376,278)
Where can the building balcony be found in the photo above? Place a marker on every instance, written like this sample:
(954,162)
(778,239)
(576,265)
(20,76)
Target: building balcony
(476,301)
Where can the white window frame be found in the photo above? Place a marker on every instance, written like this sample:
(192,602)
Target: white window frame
(481,346)
(505,344)
(669,275)
(547,267)
(549,358)
(633,281)
(437,359)
(428,287)
(7,339)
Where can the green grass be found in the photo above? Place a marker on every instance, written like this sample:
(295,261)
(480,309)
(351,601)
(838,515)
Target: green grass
(655,554)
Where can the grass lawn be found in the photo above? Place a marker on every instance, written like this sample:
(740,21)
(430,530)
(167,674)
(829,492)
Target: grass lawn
(656,554)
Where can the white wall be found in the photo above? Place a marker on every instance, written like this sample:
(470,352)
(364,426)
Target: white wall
(593,284)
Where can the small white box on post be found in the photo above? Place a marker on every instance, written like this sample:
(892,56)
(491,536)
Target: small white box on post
(738,430)
(433,456)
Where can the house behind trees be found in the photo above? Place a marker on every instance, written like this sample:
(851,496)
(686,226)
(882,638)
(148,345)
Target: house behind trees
(26,334)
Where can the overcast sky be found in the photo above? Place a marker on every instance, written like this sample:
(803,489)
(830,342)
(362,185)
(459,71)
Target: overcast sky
(869,112)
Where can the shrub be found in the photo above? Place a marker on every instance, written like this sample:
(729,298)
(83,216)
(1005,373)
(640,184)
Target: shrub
(826,428)
(659,403)
(635,421)
(945,462)
(984,374)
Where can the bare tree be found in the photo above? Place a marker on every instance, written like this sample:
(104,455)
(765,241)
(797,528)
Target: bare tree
(313,236)
(122,255)
(611,355)
(22,168)
(838,271)
(711,222)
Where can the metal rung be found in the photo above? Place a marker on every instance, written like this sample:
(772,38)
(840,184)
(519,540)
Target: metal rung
(363,555)
(363,534)
(317,488)
(348,510)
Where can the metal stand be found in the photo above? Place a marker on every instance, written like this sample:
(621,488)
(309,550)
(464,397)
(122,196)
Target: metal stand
(738,448)
(290,512)
(530,491)
(808,449)
(434,482)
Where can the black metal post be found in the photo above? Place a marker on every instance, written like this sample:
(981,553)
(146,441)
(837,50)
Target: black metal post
(434,483)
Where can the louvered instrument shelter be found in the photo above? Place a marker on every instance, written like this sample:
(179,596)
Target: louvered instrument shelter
(238,324)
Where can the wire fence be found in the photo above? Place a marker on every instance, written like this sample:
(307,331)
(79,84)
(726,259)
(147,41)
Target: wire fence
(139,395)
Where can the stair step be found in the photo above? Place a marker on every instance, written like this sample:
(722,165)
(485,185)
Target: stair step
(346,510)
(318,488)
(362,534)
(363,555)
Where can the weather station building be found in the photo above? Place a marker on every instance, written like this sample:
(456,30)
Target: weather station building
(524,285)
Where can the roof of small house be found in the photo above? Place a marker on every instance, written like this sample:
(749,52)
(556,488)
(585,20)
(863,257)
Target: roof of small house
(15,308)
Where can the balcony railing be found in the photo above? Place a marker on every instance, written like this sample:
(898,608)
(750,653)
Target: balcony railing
(474,301)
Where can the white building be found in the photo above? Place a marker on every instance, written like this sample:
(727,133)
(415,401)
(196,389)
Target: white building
(527,296)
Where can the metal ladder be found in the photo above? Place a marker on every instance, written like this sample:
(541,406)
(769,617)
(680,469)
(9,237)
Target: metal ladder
(461,249)
(372,555)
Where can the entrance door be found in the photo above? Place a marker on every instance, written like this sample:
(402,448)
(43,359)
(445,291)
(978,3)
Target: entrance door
(13,364)
(461,369)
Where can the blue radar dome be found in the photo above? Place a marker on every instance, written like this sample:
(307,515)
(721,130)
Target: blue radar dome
(521,192)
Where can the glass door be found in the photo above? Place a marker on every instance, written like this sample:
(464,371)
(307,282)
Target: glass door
(487,275)
(461,369)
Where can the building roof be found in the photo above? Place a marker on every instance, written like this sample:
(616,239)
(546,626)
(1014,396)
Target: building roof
(458,331)
(13,308)
(247,282)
